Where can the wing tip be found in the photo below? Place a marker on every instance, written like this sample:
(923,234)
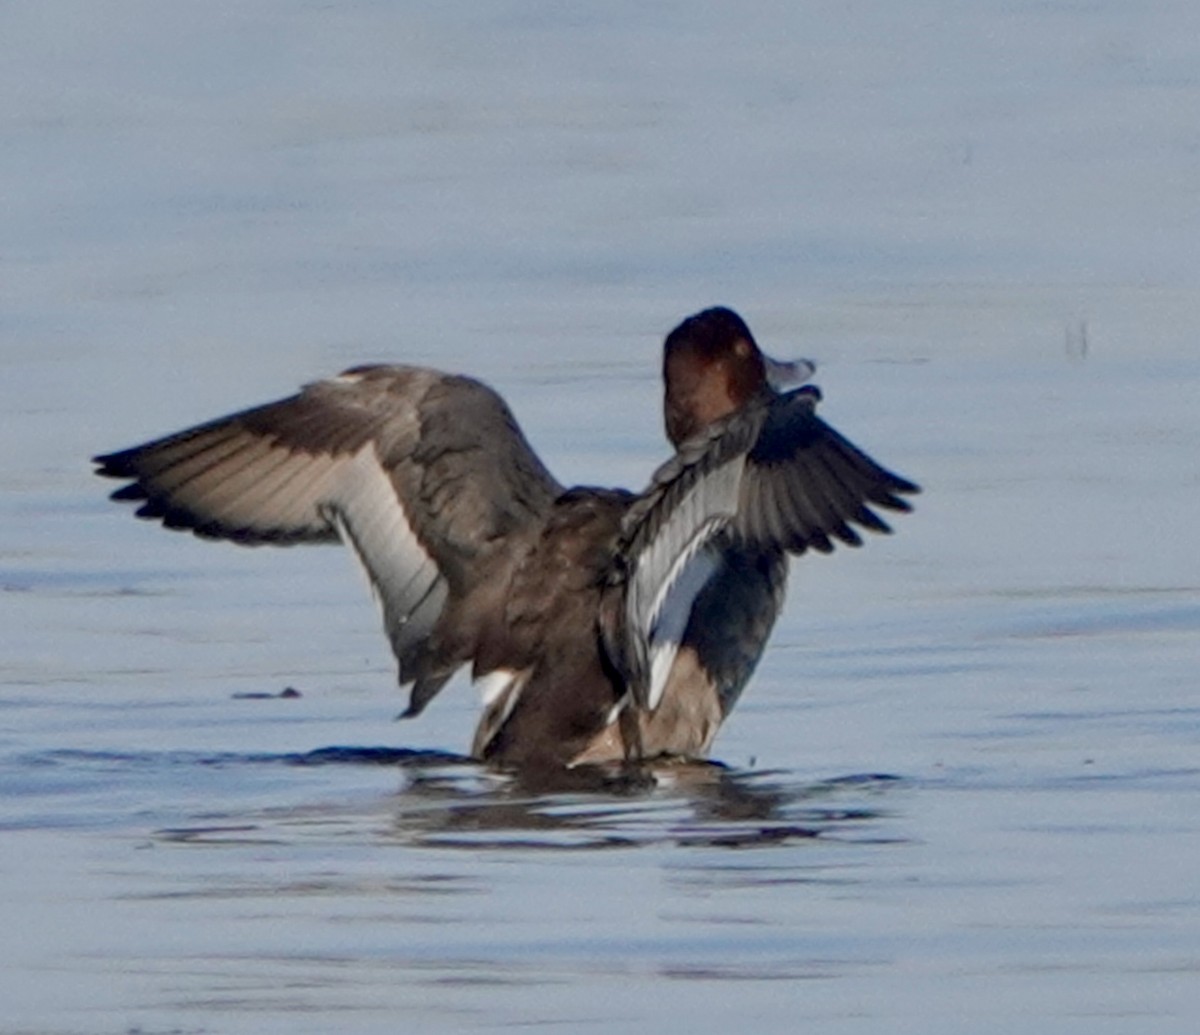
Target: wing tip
(180,519)
(129,493)
(115,465)
(889,501)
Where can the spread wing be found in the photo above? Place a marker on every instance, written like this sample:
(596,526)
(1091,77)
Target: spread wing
(771,477)
(425,475)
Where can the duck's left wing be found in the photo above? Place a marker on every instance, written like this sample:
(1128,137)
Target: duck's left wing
(772,476)
(425,475)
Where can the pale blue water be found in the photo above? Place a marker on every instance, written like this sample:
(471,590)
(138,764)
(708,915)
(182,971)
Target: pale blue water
(963,786)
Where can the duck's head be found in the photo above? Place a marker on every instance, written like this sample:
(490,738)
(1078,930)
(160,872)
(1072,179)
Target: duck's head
(712,366)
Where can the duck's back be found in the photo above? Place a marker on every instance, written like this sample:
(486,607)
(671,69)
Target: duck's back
(557,690)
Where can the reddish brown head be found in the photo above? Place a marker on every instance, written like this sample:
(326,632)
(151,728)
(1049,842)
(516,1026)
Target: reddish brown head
(712,367)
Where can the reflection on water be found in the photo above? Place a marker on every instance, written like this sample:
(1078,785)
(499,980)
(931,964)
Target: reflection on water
(449,801)
(685,804)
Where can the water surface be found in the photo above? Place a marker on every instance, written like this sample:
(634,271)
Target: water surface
(960,793)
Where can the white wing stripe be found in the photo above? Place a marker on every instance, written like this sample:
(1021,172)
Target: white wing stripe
(705,506)
(492,685)
(403,577)
(674,567)
(666,635)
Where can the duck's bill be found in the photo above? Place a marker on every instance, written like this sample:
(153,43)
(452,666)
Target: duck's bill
(784,375)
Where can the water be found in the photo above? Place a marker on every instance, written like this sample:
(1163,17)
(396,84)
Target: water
(960,792)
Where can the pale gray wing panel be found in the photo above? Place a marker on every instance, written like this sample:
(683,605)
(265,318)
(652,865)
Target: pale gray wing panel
(267,474)
(405,579)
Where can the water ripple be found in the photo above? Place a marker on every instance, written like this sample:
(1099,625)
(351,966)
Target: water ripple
(447,801)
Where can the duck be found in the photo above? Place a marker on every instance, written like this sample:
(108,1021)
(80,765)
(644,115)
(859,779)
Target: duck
(600,625)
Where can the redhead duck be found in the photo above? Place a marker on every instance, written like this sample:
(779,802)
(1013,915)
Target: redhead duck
(600,625)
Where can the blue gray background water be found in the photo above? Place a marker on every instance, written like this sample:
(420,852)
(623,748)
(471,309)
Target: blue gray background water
(962,790)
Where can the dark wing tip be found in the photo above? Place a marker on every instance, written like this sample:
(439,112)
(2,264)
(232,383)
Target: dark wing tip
(132,491)
(870,520)
(847,535)
(116,465)
(819,541)
(891,502)
(898,484)
(426,684)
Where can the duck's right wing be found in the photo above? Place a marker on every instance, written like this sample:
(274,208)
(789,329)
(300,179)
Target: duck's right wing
(425,475)
(771,477)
